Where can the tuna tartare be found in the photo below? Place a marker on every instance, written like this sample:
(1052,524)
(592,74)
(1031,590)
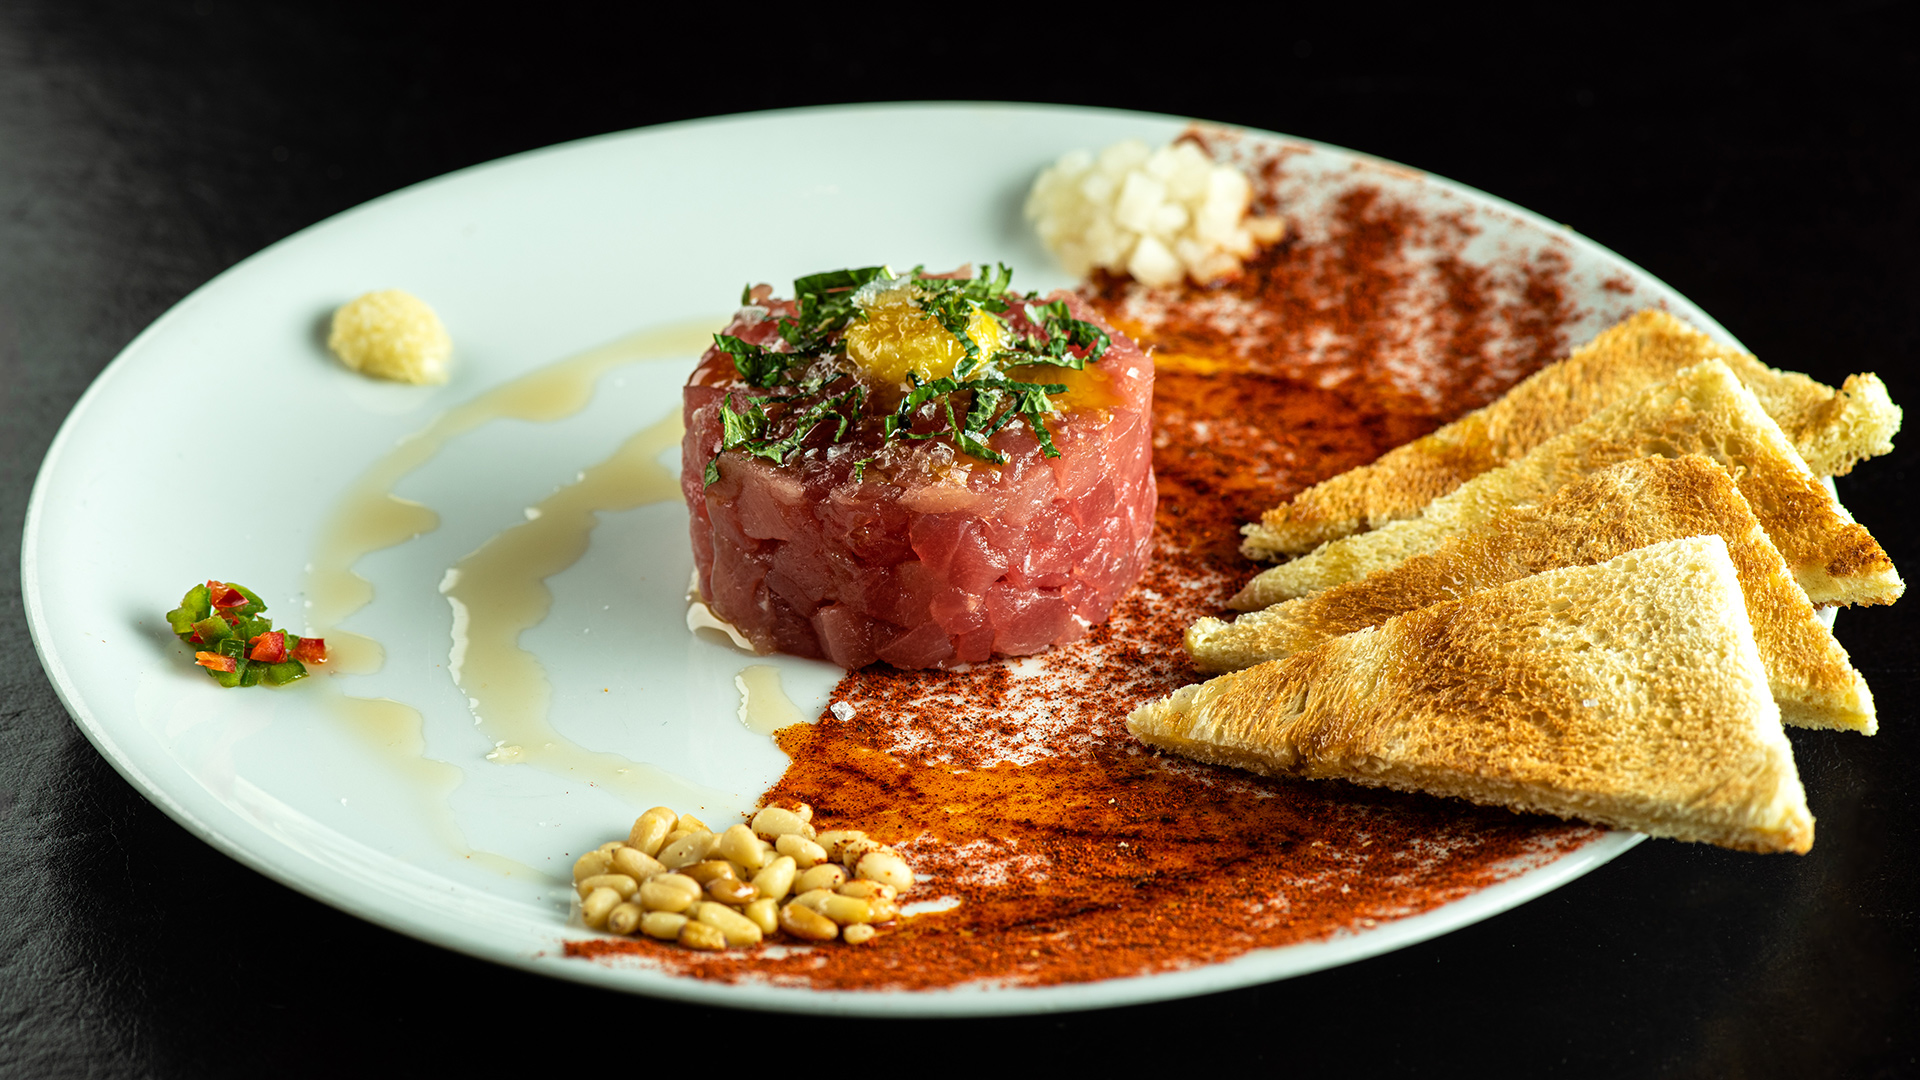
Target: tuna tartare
(925,470)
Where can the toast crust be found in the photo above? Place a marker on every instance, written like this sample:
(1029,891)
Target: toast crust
(1702,410)
(1626,506)
(1628,693)
(1831,429)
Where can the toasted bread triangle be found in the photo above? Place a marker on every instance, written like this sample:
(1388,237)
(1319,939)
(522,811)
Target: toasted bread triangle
(1702,410)
(1628,694)
(1616,510)
(1831,429)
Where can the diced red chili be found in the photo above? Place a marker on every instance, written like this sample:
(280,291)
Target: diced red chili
(311,650)
(215,661)
(268,648)
(224,596)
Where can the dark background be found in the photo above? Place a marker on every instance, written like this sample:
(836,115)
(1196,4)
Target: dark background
(1761,160)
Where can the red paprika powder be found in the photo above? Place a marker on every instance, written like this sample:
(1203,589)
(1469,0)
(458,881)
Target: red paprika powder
(1075,853)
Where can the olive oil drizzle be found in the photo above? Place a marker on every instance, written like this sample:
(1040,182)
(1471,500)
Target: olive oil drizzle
(502,596)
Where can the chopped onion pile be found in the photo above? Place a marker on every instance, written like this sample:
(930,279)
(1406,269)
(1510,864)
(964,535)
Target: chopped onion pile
(1158,215)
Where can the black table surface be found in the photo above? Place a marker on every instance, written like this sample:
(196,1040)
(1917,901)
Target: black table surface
(1763,163)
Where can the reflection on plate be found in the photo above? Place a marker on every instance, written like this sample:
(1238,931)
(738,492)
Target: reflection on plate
(436,785)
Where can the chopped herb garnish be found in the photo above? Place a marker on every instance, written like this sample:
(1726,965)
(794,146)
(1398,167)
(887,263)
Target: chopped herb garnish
(975,402)
(749,429)
(236,642)
(1028,400)
(757,364)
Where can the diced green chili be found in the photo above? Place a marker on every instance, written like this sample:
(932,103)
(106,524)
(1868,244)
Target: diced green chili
(193,607)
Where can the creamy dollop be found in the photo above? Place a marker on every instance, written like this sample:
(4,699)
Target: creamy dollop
(392,334)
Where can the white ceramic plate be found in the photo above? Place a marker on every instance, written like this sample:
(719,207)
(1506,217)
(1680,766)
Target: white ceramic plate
(531,260)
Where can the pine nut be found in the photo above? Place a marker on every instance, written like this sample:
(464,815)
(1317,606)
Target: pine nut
(805,853)
(765,913)
(591,864)
(731,891)
(679,881)
(885,866)
(859,934)
(824,876)
(664,925)
(689,849)
(598,905)
(846,909)
(738,844)
(805,811)
(709,869)
(777,879)
(699,935)
(619,883)
(625,918)
(692,824)
(774,822)
(866,890)
(852,851)
(610,847)
(636,864)
(803,922)
(836,841)
(811,898)
(664,893)
(883,908)
(740,931)
(650,830)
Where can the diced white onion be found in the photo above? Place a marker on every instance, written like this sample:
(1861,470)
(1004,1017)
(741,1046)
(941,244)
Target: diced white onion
(1155,214)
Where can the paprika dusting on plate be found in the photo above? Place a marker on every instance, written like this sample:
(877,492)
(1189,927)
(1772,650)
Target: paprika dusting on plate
(1076,854)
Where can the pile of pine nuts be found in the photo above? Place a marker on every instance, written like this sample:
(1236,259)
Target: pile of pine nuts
(675,879)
